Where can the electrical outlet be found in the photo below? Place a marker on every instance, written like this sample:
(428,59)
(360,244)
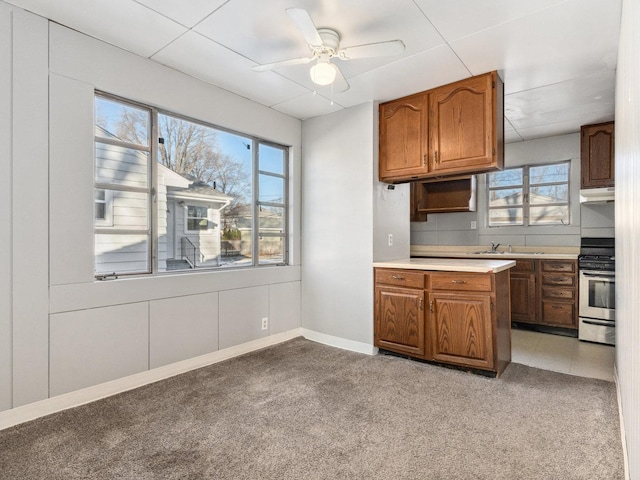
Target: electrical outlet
(390,241)
(265,323)
(474,225)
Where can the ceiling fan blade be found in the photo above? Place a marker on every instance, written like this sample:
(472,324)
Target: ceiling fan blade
(284,63)
(340,84)
(382,49)
(302,20)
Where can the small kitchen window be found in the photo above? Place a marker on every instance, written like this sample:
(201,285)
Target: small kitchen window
(529,196)
(197,218)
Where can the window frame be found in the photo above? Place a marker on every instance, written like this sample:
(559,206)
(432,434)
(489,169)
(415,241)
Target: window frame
(153,210)
(187,218)
(526,190)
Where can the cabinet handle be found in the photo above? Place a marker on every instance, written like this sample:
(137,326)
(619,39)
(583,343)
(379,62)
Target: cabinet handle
(557,307)
(421,304)
(397,277)
(431,306)
(459,281)
(424,160)
(435,156)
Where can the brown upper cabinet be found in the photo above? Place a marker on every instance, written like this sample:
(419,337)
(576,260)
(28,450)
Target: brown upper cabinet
(453,129)
(597,155)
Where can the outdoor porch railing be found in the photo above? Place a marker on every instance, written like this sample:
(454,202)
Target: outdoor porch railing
(189,251)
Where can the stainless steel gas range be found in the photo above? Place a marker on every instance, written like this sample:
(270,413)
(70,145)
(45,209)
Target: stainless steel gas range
(596,264)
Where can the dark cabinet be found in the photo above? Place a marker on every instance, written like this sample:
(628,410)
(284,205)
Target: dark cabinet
(399,311)
(404,138)
(454,129)
(467,126)
(523,291)
(545,292)
(465,321)
(597,160)
(456,194)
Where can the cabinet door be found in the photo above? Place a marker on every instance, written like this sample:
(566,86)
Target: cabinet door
(597,155)
(461,329)
(464,130)
(399,320)
(404,138)
(523,297)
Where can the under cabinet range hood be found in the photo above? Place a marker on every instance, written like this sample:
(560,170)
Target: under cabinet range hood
(597,195)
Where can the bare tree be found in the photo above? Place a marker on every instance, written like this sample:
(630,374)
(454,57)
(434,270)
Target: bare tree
(191,149)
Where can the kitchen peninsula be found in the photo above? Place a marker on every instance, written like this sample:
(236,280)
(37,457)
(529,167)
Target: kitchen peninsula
(449,311)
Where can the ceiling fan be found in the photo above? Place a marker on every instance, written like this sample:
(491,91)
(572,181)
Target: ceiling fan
(324,44)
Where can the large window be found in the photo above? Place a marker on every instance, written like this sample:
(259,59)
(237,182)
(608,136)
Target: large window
(531,195)
(211,199)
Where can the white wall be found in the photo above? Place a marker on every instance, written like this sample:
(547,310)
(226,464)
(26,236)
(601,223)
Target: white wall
(587,220)
(628,228)
(23,210)
(60,329)
(347,216)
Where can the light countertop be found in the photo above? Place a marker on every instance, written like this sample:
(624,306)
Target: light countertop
(446,251)
(449,264)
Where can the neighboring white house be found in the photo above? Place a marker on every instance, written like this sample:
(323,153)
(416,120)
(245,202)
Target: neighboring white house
(188,215)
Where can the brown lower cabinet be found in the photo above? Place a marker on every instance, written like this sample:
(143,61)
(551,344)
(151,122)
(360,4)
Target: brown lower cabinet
(545,292)
(455,318)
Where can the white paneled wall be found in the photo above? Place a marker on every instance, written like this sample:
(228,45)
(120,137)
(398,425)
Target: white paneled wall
(182,328)
(60,329)
(94,346)
(6,384)
(628,229)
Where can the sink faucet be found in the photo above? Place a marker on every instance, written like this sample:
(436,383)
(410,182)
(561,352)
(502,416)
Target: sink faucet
(494,247)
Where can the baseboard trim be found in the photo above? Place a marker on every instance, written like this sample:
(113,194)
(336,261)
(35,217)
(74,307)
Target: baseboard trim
(623,436)
(339,342)
(25,413)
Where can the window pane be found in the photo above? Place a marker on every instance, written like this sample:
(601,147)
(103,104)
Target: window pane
(549,173)
(100,211)
(121,253)
(271,159)
(506,178)
(271,189)
(118,121)
(214,167)
(100,194)
(549,194)
(271,220)
(549,215)
(271,249)
(121,166)
(130,210)
(506,216)
(507,196)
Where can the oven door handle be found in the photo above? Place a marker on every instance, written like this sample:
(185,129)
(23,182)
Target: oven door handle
(587,274)
(604,323)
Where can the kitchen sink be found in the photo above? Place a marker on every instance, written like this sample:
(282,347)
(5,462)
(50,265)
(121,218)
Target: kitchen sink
(488,252)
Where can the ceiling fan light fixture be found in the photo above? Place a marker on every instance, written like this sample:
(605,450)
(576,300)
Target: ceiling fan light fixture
(322,73)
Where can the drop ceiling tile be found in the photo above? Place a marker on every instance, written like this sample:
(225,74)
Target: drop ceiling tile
(268,35)
(459,18)
(585,100)
(204,59)
(551,130)
(426,70)
(186,13)
(544,47)
(123,23)
(307,106)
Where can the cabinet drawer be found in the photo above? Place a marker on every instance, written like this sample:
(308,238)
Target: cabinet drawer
(524,266)
(400,278)
(561,314)
(461,282)
(558,266)
(562,293)
(557,279)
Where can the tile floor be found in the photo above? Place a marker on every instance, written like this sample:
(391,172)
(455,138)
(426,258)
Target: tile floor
(562,354)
